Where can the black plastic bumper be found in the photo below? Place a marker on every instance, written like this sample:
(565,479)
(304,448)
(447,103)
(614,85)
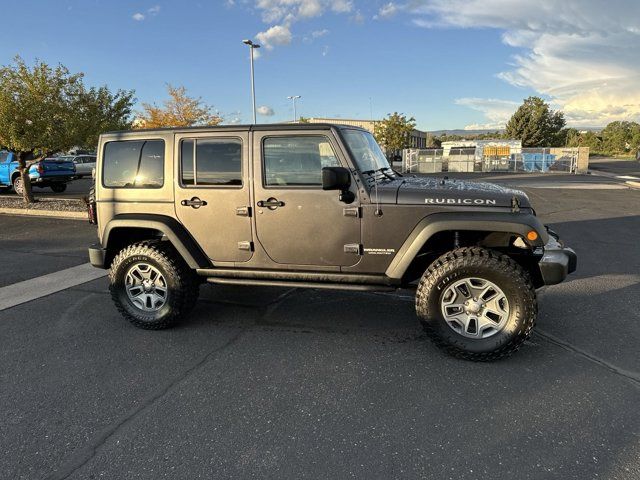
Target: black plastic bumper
(557,262)
(97,255)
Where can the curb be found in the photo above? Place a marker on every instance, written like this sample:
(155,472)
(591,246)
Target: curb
(44,213)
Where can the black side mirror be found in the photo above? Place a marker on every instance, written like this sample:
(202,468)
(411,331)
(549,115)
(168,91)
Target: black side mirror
(336,178)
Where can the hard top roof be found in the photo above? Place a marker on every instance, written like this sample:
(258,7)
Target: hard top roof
(240,128)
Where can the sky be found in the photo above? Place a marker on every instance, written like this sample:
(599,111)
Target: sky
(448,63)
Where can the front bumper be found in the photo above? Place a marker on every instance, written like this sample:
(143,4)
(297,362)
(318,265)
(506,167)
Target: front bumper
(97,255)
(557,261)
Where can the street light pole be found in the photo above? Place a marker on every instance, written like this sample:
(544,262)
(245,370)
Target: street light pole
(252,46)
(293,98)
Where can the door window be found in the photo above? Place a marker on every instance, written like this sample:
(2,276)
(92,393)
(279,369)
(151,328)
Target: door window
(297,160)
(216,161)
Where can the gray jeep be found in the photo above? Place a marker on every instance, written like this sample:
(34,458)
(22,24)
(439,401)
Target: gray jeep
(318,206)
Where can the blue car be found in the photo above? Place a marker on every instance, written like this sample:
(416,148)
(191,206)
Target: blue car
(50,172)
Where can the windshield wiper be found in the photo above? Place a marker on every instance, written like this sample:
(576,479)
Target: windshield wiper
(379,170)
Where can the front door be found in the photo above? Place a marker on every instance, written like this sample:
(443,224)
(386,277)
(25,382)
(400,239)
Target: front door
(212,193)
(298,223)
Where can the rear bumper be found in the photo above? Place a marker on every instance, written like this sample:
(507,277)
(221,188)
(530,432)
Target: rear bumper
(50,180)
(557,262)
(97,255)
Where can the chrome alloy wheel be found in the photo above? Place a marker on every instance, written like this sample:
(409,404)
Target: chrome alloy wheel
(146,287)
(475,308)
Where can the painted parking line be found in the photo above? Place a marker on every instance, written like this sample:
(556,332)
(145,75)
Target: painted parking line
(32,289)
(627,177)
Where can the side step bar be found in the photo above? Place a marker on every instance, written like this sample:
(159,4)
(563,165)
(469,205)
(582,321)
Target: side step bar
(299,284)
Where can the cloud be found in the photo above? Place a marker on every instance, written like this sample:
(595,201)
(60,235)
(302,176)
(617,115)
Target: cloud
(282,14)
(276,35)
(325,50)
(582,55)
(154,10)
(495,110)
(388,10)
(138,17)
(265,111)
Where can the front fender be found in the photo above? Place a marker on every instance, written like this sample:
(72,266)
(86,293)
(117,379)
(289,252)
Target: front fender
(516,223)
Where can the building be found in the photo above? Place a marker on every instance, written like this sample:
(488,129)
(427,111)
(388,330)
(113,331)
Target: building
(418,139)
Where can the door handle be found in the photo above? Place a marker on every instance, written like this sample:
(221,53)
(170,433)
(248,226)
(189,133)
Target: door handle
(195,202)
(272,203)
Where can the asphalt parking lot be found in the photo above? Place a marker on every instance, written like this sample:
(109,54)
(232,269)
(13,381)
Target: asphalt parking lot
(277,383)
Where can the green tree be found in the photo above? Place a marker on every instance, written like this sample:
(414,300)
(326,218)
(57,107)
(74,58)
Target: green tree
(394,131)
(44,110)
(180,110)
(535,124)
(621,138)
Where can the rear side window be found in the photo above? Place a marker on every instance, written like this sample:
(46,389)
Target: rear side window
(216,161)
(133,164)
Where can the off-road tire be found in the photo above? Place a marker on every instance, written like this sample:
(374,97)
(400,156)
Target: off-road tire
(182,284)
(58,187)
(490,265)
(18,185)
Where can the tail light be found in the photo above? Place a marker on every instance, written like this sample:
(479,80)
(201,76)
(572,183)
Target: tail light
(40,168)
(92,213)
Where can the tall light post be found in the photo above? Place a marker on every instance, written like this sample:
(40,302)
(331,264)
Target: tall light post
(252,46)
(293,98)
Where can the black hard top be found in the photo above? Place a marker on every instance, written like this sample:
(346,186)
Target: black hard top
(241,128)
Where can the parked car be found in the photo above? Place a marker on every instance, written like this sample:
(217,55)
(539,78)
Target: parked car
(50,172)
(84,163)
(317,206)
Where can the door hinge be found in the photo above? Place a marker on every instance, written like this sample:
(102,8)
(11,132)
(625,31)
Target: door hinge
(353,248)
(243,211)
(246,246)
(351,212)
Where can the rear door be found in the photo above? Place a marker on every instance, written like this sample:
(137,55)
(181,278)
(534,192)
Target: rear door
(212,192)
(298,223)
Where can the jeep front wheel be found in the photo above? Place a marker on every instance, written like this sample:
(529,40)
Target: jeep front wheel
(151,285)
(476,304)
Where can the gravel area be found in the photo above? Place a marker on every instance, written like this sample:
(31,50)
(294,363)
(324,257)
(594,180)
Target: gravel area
(64,205)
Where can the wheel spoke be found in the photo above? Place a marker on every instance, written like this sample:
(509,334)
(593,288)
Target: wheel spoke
(146,287)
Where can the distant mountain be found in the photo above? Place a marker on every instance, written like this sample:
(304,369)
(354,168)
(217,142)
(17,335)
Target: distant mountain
(462,132)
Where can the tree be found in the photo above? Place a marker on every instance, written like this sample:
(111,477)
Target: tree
(44,110)
(180,110)
(394,131)
(535,124)
(620,138)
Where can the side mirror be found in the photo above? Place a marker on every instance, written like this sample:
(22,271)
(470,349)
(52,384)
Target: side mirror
(336,178)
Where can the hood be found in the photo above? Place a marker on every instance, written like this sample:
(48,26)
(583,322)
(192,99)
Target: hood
(440,191)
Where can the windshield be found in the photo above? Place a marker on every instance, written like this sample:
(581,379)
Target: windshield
(365,150)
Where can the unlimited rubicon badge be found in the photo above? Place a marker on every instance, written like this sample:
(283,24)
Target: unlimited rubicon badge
(460,201)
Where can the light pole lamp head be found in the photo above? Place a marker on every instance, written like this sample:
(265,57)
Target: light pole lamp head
(251,44)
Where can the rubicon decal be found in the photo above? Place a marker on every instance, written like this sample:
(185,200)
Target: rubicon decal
(460,201)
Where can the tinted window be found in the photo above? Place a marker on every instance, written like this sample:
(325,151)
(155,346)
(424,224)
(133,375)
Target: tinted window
(217,161)
(133,164)
(297,161)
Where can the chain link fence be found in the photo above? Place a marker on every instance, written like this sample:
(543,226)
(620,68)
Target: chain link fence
(490,159)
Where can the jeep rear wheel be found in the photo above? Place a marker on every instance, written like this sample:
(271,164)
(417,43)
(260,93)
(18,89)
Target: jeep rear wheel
(476,304)
(151,285)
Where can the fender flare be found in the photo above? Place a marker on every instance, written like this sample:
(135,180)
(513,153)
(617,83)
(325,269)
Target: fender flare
(184,243)
(516,223)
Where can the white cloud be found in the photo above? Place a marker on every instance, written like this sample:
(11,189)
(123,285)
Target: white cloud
(266,111)
(495,110)
(138,17)
(276,35)
(154,10)
(581,54)
(325,50)
(388,10)
(319,33)
(358,17)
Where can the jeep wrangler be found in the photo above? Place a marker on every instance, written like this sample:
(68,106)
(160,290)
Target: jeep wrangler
(318,206)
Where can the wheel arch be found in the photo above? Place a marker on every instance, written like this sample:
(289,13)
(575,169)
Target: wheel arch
(126,229)
(488,225)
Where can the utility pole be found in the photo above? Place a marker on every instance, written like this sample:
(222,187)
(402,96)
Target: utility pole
(252,46)
(293,98)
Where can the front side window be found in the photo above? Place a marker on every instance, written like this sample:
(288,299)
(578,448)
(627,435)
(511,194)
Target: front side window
(215,161)
(297,160)
(133,164)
